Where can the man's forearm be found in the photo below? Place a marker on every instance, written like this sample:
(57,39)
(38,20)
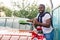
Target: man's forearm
(31,20)
(44,24)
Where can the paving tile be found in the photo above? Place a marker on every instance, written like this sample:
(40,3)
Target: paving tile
(14,38)
(5,37)
(29,38)
(0,36)
(23,38)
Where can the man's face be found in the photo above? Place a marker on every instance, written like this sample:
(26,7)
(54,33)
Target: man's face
(41,8)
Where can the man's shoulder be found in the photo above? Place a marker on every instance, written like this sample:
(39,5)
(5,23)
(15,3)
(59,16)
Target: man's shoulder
(47,14)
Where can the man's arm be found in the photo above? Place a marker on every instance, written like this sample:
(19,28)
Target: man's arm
(47,24)
(31,20)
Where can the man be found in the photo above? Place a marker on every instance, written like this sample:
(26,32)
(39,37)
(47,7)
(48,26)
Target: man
(43,19)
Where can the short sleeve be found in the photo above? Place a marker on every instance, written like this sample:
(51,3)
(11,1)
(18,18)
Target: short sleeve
(47,16)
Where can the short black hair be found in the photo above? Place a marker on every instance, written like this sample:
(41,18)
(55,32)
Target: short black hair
(42,5)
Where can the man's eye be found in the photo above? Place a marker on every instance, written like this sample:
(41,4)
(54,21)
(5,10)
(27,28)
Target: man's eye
(40,8)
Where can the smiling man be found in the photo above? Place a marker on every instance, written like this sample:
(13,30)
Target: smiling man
(43,19)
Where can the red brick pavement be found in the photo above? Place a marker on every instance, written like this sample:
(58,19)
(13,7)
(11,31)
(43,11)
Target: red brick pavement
(14,37)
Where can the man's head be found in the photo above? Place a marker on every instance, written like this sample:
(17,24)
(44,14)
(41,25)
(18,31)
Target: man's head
(41,8)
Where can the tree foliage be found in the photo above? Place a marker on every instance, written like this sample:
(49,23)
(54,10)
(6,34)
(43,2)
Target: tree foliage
(28,11)
(7,11)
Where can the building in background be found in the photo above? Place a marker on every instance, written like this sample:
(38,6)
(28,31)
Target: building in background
(2,13)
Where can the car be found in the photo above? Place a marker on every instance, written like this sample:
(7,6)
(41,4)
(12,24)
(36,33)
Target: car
(25,31)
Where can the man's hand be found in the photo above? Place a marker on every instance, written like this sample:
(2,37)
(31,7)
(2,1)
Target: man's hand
(37,23)
(34,21)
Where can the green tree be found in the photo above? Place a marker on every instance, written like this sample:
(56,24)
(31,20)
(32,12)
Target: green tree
(15,13)
(23,13)
(7,11)
(28,11)
(48,9)
(33,10)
